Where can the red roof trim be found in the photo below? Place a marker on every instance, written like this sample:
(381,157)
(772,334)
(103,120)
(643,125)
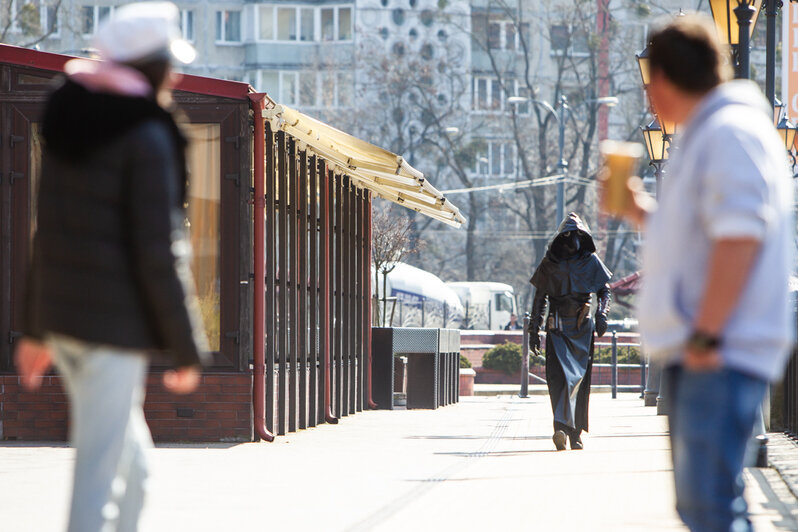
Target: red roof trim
(196,84)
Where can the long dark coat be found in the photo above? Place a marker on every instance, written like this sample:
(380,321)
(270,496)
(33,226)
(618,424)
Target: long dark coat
(566,280)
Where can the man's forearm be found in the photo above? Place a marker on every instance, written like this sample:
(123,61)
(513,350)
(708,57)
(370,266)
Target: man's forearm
(730,264)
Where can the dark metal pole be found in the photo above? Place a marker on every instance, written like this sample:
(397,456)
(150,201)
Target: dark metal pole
(525,358)
(771,10)
(744,13)
(614,365)
(562,165)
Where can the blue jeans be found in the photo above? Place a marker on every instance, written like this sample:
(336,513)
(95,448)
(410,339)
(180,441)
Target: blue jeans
(712,416)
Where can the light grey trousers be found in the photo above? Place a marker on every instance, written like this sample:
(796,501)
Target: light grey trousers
(105,385)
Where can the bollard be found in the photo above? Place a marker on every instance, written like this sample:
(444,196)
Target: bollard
(525,358)
(614,365)
(642,373)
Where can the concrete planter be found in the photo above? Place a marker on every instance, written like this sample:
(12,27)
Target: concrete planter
(467,381)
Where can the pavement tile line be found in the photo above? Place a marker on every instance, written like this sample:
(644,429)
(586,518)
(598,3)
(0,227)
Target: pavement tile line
(424,486)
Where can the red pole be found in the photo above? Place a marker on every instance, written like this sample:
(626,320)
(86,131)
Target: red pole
(259,355)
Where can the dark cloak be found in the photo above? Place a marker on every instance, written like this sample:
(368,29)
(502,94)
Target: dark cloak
(567,283)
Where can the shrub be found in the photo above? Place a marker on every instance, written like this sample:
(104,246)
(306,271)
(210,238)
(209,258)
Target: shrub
(464,362)
(505,358)
(626,355)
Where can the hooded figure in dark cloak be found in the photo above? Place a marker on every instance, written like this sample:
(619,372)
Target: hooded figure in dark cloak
(565,280)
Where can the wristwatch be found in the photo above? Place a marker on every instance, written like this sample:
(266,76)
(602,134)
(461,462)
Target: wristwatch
(701,341)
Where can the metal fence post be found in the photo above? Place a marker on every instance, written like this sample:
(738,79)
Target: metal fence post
(525,358)
(614,365)
(642,373)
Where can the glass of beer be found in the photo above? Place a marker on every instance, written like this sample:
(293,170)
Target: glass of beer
(621,160)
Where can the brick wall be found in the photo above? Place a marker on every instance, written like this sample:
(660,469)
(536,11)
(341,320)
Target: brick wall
(220,410)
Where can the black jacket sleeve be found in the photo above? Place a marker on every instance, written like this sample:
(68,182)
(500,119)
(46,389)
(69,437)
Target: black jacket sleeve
(602,309)
(536,317)
(160,251)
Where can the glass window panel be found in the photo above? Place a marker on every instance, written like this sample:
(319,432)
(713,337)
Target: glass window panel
(579,42)
(524,34)
(509,41)
(482,94)
(308,23)
(509,159)
(327,89)
(345,24)
(187,24)
(495,94)
(266,23)
(35,174)
(218,25)
(494,35)
(52,19)
(346,89)
(559,37)
(288,88)
(495,158)
(202,222)
(87,20)
(102,13)
(327,24)
(307,89)
(270,82)
(232,27)
(286,23)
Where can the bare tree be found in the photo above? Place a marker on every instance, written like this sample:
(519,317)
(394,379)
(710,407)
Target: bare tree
(391,244)
(28,23)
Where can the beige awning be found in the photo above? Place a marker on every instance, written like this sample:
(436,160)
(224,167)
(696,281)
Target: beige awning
(385,174)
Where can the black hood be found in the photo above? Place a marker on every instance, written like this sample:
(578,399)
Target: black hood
(581,272)
(573,223)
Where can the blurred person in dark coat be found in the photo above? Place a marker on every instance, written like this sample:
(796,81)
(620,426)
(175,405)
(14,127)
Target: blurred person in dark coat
(110,280)
(565,279)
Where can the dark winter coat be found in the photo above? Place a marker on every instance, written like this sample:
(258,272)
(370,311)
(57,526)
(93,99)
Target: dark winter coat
(111,260)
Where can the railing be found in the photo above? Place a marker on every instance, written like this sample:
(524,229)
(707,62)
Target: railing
(614,365)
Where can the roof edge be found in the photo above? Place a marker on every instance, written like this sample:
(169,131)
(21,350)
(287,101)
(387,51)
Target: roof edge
(15,55)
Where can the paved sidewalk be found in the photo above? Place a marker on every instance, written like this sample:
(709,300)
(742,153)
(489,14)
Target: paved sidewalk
(486,464)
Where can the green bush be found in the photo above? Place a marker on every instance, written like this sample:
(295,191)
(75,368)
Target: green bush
(626,355)
(505,358)
(464,362)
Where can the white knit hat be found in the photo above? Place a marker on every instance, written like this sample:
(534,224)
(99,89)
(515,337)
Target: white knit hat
(142,30)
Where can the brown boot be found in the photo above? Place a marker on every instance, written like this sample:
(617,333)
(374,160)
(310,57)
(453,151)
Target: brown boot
(576,442)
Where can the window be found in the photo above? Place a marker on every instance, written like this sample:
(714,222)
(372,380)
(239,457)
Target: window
(286,23)
(204,210)
(266,23)
(568,40)
(309,89)
(494,36)
(228,26)
(488,94)
(34,17)
(345,24)
(498,159)
(91,17)
(307,25)
(304,24)
(187,24)
(328,24)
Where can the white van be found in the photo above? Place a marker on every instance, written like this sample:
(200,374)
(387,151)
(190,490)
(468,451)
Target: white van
(486,305)
(418,298)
